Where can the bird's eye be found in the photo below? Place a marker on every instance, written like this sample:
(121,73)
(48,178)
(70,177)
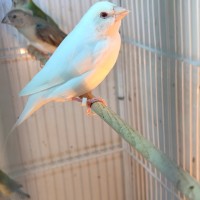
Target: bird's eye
(14,16)
(103,15)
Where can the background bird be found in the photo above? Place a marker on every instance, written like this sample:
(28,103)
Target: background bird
(81,62)
(9,187)
(31,7)
(39,32)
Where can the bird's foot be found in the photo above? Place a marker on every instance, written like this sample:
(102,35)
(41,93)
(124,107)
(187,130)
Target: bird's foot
(93,100)
(78,99)
(88,102)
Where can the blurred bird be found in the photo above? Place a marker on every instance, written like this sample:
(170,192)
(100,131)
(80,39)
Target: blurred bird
(31,7)
(40,33)
(9,186)
(81,62)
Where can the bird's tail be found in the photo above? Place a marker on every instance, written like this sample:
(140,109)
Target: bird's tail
(34,102)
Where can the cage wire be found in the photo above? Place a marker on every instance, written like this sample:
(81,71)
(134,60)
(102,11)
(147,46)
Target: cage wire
(60,153)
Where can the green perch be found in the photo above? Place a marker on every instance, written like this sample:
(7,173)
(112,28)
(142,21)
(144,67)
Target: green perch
(9,186)
(185,183)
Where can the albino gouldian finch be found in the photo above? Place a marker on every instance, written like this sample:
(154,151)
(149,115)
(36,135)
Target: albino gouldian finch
(39,32)
(81,62)
(31,7)
(8,187)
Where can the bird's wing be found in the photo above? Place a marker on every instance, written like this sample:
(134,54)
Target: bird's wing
(49,33)
(61,67)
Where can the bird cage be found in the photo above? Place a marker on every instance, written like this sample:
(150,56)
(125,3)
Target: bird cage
(61,153)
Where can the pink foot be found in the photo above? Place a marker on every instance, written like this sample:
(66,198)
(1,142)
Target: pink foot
(78,99)
(93,100)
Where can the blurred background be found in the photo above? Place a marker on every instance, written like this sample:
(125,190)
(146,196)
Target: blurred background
(61,153)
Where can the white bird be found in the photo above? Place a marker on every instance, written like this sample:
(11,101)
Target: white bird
(81,62)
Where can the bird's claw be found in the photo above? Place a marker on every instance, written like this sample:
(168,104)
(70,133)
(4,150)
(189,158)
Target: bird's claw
(91,101)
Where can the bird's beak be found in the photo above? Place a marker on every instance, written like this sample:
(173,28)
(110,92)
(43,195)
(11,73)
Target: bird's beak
(120,12)
(5,20)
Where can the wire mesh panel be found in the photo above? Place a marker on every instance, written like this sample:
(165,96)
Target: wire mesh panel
(160,59)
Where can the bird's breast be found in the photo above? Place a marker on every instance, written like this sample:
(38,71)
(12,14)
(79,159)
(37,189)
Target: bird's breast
(104,63)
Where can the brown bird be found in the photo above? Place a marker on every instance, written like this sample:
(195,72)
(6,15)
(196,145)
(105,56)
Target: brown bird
(41,34)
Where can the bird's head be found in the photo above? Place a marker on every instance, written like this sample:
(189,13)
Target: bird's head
(105,17)
(17,18)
